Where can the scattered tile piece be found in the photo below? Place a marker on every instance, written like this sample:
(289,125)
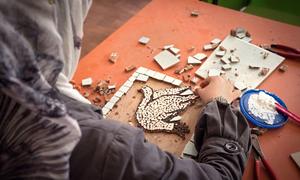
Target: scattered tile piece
(195,80)
(234,59)
(176,118)
(208,47)
(240,35)
(216,41)
(225,60)
(264,71)
(240,85)
(113,57)
(194,61)
(214,72)
(87,81)
(177,82)
(142,78)
(166,47)
(220,53)
(174,50)
(202,73)
(226,67)
(283,68)
(166,59)
(194,13)
(130,68)
(187,92)
(188,67)
(190,149)
(144,40)
(186,77)
(200,56)
(252,66)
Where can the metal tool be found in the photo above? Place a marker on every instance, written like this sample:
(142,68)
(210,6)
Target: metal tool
(282,50)
(260,159)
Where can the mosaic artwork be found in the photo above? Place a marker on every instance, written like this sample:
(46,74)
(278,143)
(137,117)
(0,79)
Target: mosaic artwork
(159,110)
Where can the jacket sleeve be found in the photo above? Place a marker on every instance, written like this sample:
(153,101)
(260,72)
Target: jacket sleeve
(222,138)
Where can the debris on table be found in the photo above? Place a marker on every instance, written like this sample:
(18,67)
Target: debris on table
(111,87)
(220,53)
(102,87)
(113,57)
(234,59)
(240,85)
(188,67)
(283,68)
(194,13)
(251,66)
(191,49)
(166,59)
(208,47)
(264,71)
(226,67)
(225,60)
(194,80)
(216,41)
(87,82)
(200,56)
(130,68)
(193,61)
(144,40)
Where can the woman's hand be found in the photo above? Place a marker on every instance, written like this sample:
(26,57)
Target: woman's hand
(217,86)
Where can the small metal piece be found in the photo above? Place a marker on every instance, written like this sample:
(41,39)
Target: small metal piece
(200,56)
(226,67)
(220,53)
(216,41)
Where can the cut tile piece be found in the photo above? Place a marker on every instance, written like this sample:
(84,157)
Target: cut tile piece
(174,50)
(130,68)
(220,53)
(187,92)
(166,47)
(150,73)
(114,99)
(214,72)
(142,78)
(264,71)
(252,66)
(113,57)
(190,149)
(192,60)
(195,80)
(177,82)
(225,60)
(119,94)
(87,81)
(141,70)
(166,59)
(226,67)
(144,40)
(168,79)
(216,41)
(124,89)
(194,13)
(176,118)
(128,83)
(240,85)
(234,59)
(201,73)
(200,56)
(208,47)
(105,110)
(109,105)
(159,76)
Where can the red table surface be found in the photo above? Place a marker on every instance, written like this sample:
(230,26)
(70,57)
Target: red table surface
(169,22)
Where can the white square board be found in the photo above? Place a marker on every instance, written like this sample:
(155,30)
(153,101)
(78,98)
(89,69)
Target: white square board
(249,54)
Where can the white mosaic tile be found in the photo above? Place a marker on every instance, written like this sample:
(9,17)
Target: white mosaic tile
(166,59)
(142,78)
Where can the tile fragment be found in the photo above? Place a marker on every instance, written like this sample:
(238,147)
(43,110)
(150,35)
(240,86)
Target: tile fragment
(226,67)
(87,81)
(113,57)
(200,56)
(144,40)
(192,60)
(174,50)
(166,59)
(130,68)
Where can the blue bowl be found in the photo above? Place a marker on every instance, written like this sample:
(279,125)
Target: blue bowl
(280,119)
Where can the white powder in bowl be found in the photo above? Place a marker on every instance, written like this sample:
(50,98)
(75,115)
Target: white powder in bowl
(263,106)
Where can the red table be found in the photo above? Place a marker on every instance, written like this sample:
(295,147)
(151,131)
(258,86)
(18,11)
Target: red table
(169,22)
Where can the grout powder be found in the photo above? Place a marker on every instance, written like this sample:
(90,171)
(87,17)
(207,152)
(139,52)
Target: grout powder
(263,106)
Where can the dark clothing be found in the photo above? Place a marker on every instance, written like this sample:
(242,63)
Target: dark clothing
(112,150)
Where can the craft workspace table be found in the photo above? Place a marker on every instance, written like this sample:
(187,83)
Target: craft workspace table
(169,22)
